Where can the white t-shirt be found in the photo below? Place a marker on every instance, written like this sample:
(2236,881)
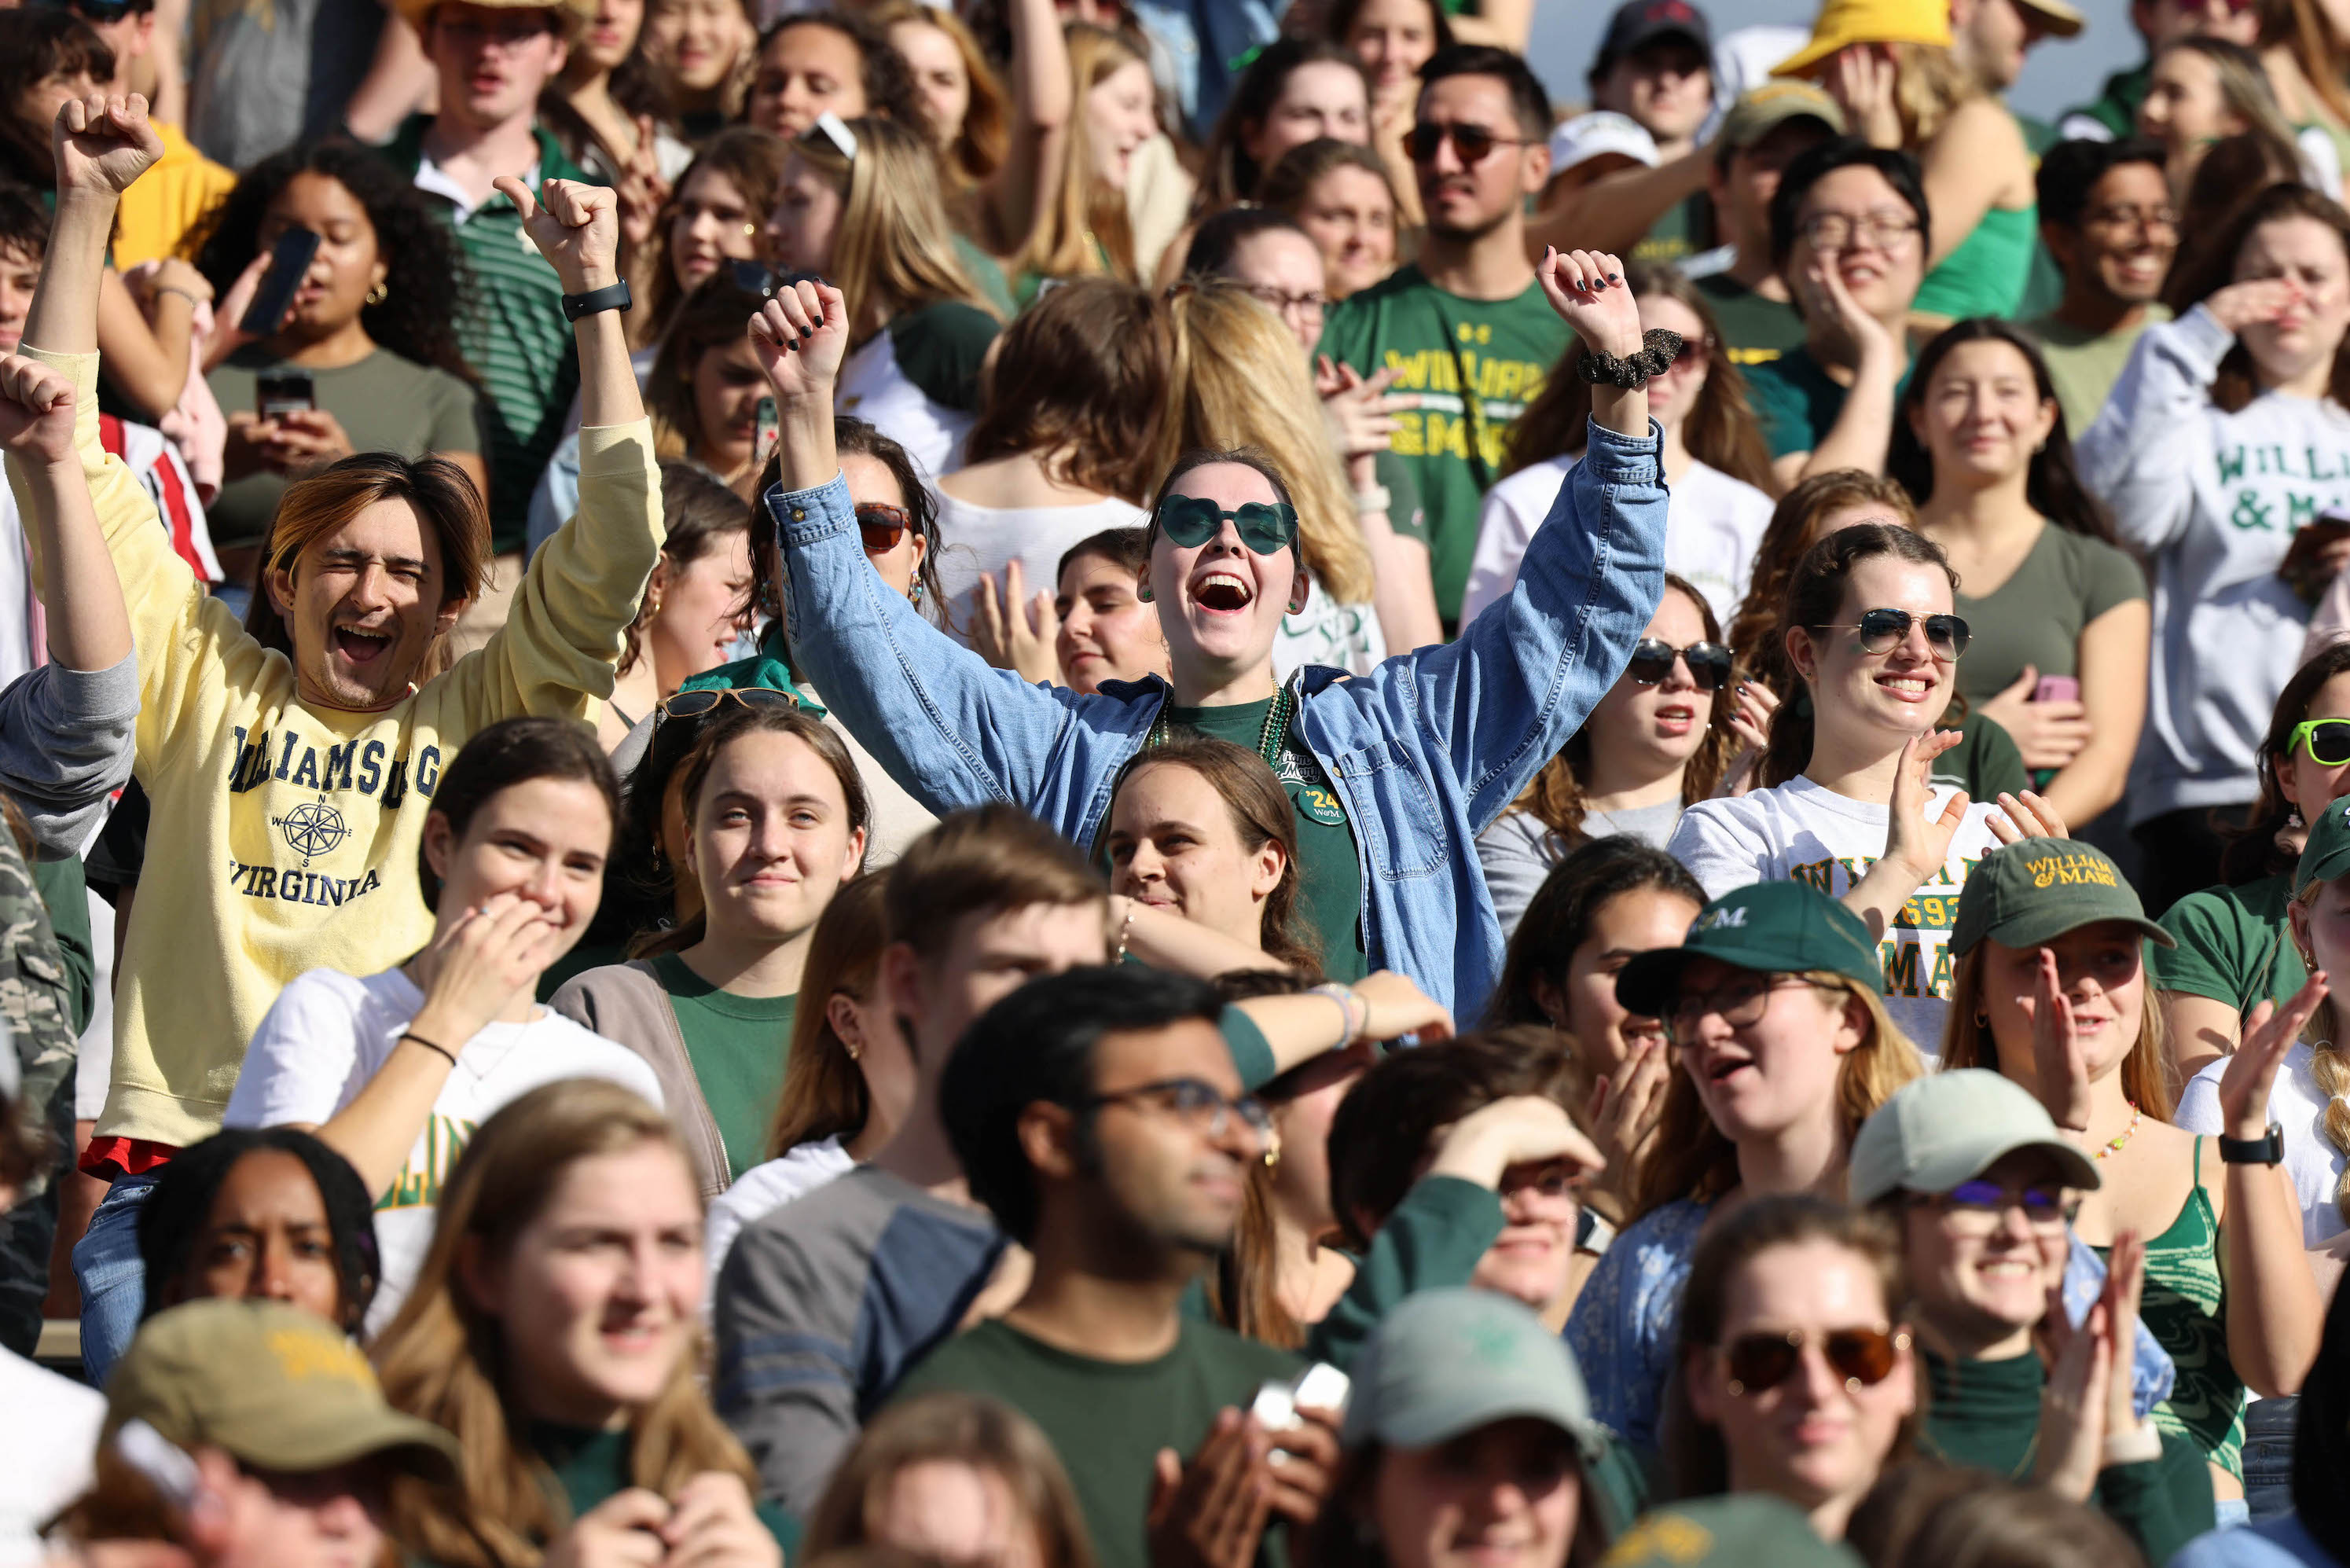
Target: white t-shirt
(1803,832)
(1713,526)
(48,1442)
(1342,635)
(328,1034)
(764,1188)
(2296,1103)
(872,387)
(976,541)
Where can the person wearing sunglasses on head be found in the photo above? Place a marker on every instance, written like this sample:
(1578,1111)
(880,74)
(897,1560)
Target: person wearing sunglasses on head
(1845,800)
(1659,742)
(1981,1185)
(2051,992)
(1391,773)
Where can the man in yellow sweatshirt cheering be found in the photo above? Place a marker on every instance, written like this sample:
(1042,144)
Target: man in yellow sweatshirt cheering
(290,783)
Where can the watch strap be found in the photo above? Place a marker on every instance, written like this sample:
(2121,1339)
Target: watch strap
(614,296)
(2268,1150)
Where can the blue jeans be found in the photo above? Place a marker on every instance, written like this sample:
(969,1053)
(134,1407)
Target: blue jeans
(112,1277)
(2268,1458)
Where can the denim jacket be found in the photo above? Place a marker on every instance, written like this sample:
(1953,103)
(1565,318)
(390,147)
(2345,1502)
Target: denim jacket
(1425,751)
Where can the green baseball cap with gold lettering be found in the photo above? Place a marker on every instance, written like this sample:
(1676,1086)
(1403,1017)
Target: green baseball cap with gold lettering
(276,1387)
(2036,890)
(1775,928)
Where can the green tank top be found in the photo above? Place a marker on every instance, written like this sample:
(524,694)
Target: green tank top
(2184,1306)
(1987,273)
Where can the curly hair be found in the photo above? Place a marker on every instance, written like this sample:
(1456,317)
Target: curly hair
(426,281)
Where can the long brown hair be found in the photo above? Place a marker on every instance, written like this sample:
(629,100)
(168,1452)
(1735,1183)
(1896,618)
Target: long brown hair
(699,516)
(1696,1461)
(1694,1160)
(978,149)
(442,1358)
(823,1092)
(972,1429)
(1555,796)
(1082,228)
(711,319)
(1754,635)
(752,160)
(893,251)
(2306,31)
(1814,598)
(2254,851)
(1967,1039)
(1261,814)
(2213,267)
(1230,175)
(1720,429)
(2052,483)
(1081,378)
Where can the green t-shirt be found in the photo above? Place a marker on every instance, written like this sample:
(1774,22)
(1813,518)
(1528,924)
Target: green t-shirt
(2066,581)
(589,1466)
(1984,762)
(2084,365)
(384,403)
(1686,229)
(1754,328)
(1329,865)
(1438,343)
(986,272)
(1797,400)
(2115,107)
(2231,945)
(1108,1420)
(738,1045)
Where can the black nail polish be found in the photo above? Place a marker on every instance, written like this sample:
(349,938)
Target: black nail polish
(1613,278)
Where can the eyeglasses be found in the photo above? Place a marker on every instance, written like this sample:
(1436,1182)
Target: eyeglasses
(1739,1003)
(1284,302)
(1471,141)
(2148,218)
(1864,1357)
(705,699)
(1652,660)
(505,34)
(1266,527)
(1980,1203)
(1199,1105)
(882,525)
(2328,741)
(1946,635)
(1836,231)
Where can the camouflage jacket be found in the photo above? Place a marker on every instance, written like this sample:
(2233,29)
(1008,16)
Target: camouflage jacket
(36,998)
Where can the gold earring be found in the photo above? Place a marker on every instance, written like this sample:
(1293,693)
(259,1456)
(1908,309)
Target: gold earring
(379,293)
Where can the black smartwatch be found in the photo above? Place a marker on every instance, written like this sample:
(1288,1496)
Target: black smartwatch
(613,297)
(2269,1151)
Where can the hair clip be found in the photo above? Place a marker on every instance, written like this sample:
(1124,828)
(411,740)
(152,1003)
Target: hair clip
(834,130)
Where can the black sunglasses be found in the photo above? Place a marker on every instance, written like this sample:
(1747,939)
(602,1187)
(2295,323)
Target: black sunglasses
(1266,527)
(1880,630)
(1652,661)
(1864,1357)
(1471,141)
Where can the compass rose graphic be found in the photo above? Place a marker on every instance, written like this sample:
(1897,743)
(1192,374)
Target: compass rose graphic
(312,829)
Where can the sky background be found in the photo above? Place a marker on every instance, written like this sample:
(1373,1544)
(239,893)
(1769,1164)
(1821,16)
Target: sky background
(2057,75)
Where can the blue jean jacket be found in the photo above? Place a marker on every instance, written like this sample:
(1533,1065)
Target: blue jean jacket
(1425,751)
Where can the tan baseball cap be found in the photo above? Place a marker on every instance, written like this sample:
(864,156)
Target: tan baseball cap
(416,11)
(279,1388)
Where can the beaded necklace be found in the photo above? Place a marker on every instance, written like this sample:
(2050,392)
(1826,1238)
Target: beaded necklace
(1268,741)
(2114,1146)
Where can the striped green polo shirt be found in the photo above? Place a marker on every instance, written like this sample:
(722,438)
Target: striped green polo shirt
(510,326)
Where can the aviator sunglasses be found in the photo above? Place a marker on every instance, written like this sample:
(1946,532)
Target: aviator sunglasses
(1880,630)
(1266,527)
(1863,1357)
(1652,661)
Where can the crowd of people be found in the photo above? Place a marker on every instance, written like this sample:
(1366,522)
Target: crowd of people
(1132,785)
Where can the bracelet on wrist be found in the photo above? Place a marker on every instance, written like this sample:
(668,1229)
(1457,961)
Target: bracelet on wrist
(1377,498)
(443,1051)
(186,293)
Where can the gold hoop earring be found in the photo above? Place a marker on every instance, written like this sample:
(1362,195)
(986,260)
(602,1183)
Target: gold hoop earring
(379,293)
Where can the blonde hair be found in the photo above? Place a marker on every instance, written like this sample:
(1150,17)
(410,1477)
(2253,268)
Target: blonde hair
(1695,1160)
(1238,379)
(1086,213)
(894,248)
(2327,1064)
(1967,1039)
(978,147)
(442,1356)
(1928,85)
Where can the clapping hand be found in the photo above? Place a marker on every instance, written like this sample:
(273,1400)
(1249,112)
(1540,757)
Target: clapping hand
(1361,413)
(1016,632)
(102,144)
(1212,1512)
(36,411)
(2087,1399)
(2270,1031)
(576,227)
(2025,816)
(801,335)
(1917,844)
(2058,1064)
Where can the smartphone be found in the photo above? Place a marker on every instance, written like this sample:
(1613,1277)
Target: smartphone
(289,261)
(279,393)
(2057,689)
(762,443)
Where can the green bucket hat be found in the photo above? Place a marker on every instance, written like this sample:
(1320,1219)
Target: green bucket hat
(2035,890)
(1774,927)
(1947,1128)
(279,1388)
(2326,854)
(1446,1362)
(1745,1530)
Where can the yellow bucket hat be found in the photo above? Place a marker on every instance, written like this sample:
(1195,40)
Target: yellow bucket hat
(1844,23)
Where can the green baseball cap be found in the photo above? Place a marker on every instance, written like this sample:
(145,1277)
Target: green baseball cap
(1762,110)
(277,1387)
(1450,1361)
(2035,890)
(1949,1127)
(2327,853)
(1749,1530)
(1775,928)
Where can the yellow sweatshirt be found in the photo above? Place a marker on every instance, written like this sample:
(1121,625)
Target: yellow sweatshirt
(284,838)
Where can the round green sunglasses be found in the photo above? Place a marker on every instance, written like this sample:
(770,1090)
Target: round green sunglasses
(1266,527)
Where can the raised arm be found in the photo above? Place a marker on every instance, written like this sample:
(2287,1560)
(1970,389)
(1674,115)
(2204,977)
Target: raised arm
(2142,451)
(1044,99)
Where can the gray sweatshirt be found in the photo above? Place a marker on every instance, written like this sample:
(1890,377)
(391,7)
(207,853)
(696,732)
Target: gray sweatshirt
(65,748)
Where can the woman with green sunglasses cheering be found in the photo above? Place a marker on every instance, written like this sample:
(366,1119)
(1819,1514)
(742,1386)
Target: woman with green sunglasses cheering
(1845,805)
(1391,773)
